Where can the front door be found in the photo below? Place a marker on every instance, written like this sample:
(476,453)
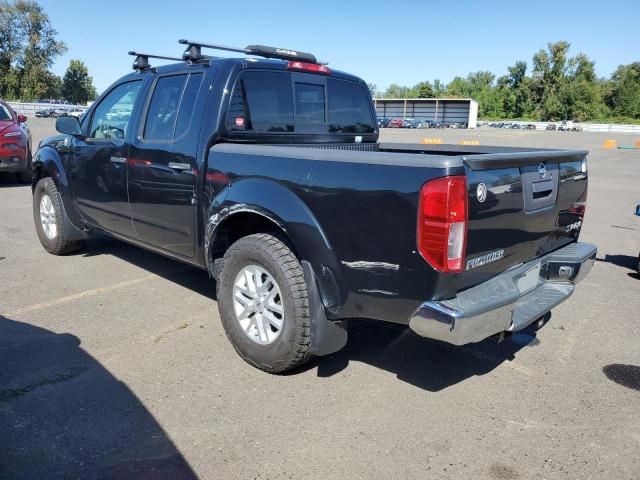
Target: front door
(99,167)
(162,165)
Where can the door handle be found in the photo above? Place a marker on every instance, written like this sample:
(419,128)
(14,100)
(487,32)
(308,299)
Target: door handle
(118,160)
(179,166)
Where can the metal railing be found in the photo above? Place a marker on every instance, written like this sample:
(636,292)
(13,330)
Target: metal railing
(30,108)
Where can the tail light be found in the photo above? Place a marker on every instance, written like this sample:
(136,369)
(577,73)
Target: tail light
(308,67)
(442,223)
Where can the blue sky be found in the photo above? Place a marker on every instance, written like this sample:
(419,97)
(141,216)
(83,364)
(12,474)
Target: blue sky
(381,41)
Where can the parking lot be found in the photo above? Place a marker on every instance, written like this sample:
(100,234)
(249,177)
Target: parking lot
(114,364)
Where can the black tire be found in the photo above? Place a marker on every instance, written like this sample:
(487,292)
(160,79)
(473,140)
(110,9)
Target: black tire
(291,347)
(60,243)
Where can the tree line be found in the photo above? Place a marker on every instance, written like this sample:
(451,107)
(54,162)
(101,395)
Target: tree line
(28,49)
(558,87)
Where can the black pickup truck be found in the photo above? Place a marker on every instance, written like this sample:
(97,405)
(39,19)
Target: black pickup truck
(266,170)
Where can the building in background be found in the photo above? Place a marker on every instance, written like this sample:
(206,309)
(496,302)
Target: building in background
(446,110)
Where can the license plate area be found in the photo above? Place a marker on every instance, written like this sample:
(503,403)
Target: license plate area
(529,280)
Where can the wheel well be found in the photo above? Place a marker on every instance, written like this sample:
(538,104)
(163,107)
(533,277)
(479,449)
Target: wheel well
(38,174)
(241,225)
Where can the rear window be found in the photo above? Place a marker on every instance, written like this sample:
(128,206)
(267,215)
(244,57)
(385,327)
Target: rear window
(261,102)
(270,102)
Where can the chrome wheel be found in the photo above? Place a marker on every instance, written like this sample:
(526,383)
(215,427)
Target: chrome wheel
(48,217)
(258,304)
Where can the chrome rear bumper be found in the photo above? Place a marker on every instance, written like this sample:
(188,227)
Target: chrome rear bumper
(508,302)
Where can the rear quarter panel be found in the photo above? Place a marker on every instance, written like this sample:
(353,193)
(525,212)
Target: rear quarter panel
(367,213)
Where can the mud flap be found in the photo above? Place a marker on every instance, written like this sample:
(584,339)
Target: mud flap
(326,337)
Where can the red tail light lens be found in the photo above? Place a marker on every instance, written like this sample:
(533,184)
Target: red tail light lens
(309,67)
(442,223)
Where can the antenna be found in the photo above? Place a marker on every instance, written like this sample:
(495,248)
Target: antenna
(194,51)
(141,63)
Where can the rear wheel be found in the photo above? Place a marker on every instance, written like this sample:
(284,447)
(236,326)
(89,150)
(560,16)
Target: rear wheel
(48,215)
(263,303)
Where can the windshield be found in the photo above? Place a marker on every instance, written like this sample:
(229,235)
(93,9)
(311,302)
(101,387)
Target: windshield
(5,114)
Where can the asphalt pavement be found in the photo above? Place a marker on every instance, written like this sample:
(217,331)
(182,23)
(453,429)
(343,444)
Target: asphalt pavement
(114,364)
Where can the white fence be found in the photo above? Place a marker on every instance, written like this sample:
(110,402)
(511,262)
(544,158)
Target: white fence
(586,127)
(29,109)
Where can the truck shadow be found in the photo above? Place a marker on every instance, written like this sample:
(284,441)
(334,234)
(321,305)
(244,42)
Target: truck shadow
(63,415)
(185,275)
(8,180)
(424,363)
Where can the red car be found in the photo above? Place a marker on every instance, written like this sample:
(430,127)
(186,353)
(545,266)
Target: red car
(15,143)
(396,123)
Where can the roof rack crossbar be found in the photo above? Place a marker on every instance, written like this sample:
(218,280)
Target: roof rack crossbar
(141,62)
(194,51)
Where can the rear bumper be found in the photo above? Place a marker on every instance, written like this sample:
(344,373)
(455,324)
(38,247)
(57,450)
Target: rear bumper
(508,302)
(13,163)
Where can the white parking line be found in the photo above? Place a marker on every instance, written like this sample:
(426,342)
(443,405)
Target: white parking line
(78,296)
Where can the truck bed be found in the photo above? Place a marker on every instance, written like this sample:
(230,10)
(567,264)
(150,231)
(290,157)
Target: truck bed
(366,208)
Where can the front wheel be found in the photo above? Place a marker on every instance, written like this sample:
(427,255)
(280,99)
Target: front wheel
(48,215)
(263,303)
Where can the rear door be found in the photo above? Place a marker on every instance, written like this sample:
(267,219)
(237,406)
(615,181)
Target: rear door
(99,170)
(162,164)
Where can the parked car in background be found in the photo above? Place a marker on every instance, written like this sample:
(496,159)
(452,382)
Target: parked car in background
(46,113)
(410,123)
(383,122)
(395,123)
(76,112)
(565,126)
(15,143)
(425,124)
(551,126)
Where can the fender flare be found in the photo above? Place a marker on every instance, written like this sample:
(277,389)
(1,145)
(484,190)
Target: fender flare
(47,163)
(285,209)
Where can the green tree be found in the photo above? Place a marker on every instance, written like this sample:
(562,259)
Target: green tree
(77,85)
(623,95)
(373,89)
(28,48)
(423,90)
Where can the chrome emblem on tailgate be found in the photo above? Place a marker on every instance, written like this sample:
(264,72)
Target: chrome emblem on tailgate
(484,259)
(481,193)
(542,170)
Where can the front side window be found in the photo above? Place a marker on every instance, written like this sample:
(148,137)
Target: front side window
(111,117)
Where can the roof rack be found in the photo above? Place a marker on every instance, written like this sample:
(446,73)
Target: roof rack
(193,53)
(141,63)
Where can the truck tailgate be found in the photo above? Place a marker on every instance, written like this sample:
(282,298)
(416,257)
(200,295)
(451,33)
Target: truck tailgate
(521,206)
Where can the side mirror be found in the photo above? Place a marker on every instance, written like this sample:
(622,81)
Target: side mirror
(68,125)
(638,210)
(22,118)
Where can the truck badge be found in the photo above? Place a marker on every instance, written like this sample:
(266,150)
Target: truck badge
(542,170)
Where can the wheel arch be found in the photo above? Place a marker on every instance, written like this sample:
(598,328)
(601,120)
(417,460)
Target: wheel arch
(264,206)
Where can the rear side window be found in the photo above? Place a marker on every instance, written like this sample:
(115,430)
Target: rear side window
(261,102)
(171,107)
(270,102)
